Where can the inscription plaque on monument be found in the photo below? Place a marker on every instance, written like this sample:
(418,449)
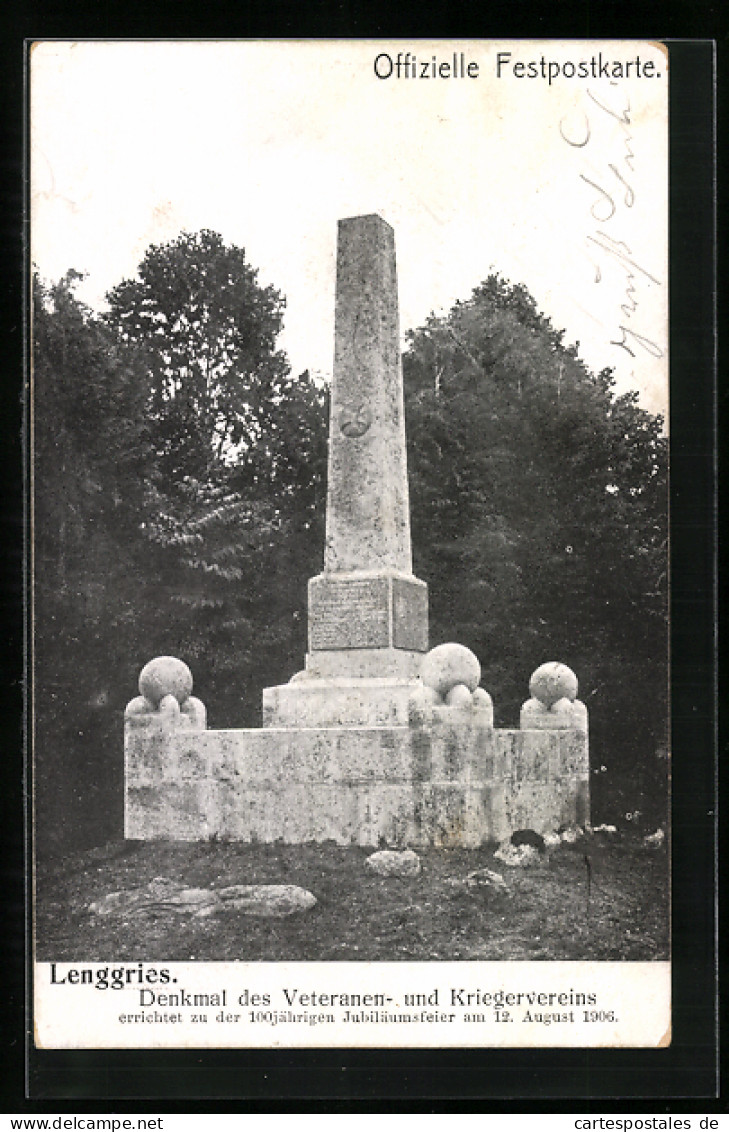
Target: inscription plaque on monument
(368,613)
(350,614)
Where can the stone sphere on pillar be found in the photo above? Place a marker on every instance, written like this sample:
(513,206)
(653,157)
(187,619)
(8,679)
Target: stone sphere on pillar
(429,696)
(421,704)
(552,682)
(165,676)
(140,705)
(481,701)
(447,665)
(459,696)
(194,711)
(169,707)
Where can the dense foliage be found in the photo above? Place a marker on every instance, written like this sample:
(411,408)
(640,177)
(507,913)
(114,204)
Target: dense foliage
(144,546)
(539,508)
(179,481)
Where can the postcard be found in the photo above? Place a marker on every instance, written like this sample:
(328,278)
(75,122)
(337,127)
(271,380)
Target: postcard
(349,530)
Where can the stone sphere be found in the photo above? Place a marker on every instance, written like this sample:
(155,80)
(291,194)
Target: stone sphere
(165,676)
(450,664)
(533,707)
(140,705)
(421,703)
(552,682)
(169,706)
(194,710)
(481,700)
(459,696)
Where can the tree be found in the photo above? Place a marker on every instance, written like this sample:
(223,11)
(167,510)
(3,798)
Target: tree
(205,332)
(90,429)
(89,448)
(179,480)
(239,453)
(539,518)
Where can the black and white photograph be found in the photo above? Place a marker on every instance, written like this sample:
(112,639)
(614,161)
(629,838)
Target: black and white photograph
(349,435)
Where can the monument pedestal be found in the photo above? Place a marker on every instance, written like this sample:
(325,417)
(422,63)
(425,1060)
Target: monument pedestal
(356,748)
(368,632)
(341,703)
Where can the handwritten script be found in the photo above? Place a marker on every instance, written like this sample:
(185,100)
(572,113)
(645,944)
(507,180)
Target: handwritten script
(612,198)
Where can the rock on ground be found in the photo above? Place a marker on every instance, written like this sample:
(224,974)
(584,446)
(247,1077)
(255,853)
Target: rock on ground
(528,837)
(518,856)
(158,895)
(162,895)
(571,835)
(276,900)
(480,879)
(394,863)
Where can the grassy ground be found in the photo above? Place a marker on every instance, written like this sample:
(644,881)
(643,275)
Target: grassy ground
(549,911)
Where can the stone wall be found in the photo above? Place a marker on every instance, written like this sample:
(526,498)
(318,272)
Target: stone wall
(453,780)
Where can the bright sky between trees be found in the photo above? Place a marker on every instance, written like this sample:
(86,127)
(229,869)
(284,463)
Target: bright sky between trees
(527,158)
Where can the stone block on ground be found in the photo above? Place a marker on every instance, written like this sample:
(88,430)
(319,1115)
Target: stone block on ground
(266,900)
(376,741)
(162,896)
(518,856)
(394,863)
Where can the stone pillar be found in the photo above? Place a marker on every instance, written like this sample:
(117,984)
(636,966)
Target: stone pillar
(553,708)
(163,796)
(368,614)
(367,597)
(553,704)
(368,515)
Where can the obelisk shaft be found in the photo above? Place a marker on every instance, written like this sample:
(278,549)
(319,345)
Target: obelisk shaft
(368,519)
(367,602)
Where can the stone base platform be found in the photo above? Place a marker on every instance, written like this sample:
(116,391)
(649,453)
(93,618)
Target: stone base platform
(338,703)
(346,688)
(455,781)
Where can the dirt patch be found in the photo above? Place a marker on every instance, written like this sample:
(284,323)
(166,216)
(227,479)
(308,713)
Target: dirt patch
(598,899)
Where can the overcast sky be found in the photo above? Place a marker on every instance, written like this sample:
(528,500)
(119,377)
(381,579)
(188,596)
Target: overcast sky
(559,185)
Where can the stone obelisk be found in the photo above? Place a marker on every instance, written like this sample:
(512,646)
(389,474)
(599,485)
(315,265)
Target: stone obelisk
(368,517)
(368,614)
